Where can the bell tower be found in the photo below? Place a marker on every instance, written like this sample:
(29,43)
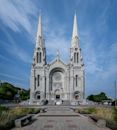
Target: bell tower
(38,76)
(76,66)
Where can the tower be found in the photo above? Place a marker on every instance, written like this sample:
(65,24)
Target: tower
(38,67)
(76,65)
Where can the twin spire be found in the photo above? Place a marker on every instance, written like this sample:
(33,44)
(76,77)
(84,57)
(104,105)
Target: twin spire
(75,29)
(40,31)
(40,38)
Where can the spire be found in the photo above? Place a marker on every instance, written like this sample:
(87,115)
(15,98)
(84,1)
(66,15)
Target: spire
(39,31)
(75,30)
(40,39)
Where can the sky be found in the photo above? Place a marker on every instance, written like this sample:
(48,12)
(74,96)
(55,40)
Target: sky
(97,27)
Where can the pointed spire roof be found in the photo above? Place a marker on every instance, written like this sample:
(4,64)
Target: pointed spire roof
(39,31)
(40,39)
(75,28)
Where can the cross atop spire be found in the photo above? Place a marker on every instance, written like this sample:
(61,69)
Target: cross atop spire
(75,29)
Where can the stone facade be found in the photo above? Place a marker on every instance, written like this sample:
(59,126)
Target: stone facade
(57,80)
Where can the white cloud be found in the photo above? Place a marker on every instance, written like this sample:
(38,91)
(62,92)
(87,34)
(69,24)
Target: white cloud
(17,13)
(16,50)
(55,39)
(5,58)
(21,54)
(58,41)
(89,52)
(12,77)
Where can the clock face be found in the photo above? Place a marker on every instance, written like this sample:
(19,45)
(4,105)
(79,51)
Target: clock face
(57,76)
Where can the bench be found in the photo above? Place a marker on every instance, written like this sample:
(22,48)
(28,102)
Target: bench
(99,121)
(23,121)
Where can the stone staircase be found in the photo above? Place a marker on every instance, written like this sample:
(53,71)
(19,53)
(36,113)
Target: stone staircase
(51,102)
(64,103)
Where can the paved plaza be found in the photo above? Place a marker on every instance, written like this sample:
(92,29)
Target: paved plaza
(61,118)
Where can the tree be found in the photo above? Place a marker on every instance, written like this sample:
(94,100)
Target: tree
(98,98)
(24,95)
(9,92)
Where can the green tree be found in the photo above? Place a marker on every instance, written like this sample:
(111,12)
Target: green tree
(9,92)
(24,95)
(98,98)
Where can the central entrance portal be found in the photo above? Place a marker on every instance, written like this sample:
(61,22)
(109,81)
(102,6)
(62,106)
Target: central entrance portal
(57,84)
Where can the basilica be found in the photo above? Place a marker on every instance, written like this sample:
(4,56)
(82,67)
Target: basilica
(57,80)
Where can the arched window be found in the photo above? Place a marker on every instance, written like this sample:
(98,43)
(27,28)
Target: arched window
(74,57)
(37,57)
(40,57)
(38,80)
(77,57)
(76,80)
(35,82)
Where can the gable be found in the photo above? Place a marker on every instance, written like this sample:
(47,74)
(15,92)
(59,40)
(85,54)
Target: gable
(57,64)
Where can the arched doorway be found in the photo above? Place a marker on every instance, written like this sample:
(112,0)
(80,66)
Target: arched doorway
(56,83)
(37,95)
(57,94)
(76,95)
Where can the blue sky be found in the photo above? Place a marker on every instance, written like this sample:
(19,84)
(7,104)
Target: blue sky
(97,25)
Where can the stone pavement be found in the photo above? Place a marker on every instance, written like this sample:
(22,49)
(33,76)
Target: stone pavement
(61,118)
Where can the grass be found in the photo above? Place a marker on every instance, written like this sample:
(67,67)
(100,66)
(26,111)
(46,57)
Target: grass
(86,110)
(106,113)
(109,114)
(8,116)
